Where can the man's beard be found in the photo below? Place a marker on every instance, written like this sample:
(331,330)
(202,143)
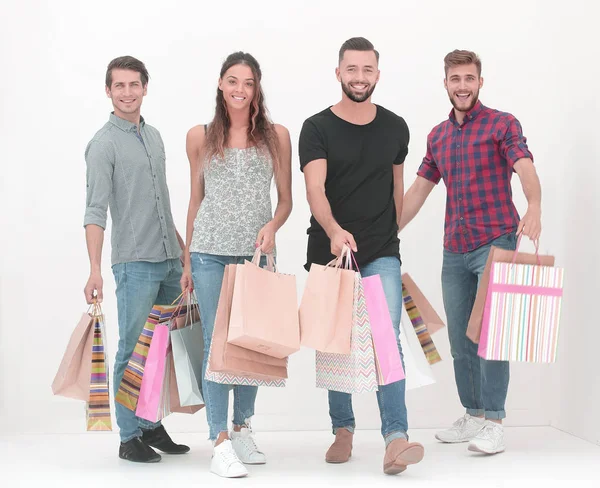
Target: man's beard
(474,99)
(357,98)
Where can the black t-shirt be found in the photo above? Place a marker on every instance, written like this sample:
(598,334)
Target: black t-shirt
(359,183)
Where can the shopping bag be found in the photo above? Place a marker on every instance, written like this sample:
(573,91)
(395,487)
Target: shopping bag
(72,379)
(387,354)
(98,404)
(151,388)
(234,365)
(355,372)
(418,371)
(170,396)
(326,307)
(521,319)
(187,344)
(414,313)
(129,388)
(501,256)
(429,316)
(264,310)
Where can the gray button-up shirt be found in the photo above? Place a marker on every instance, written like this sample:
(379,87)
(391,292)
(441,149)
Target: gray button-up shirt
(126,173)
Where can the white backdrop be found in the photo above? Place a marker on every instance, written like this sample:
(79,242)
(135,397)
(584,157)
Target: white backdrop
(538,62)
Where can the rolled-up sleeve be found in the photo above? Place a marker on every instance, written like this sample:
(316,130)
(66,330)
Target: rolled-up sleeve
(428,168)
(513,144)
(99,159)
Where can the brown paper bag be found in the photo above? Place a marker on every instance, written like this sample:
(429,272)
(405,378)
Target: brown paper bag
(326,309)
(235,360)
(264,311)
(503,256)
(73,377)
(430,318)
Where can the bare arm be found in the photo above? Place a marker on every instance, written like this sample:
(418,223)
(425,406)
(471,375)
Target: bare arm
(414,199)
(530,224)
(94,238)
(193,145)
(315,174)
(283,180)
(398,190)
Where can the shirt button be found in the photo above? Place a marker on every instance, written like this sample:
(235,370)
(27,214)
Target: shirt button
(165,237)
(157,198)
(460,128)
(458,145)
(462,218)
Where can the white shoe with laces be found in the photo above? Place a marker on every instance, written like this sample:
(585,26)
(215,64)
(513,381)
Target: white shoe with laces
(246,448)
(225,462)
(463,430)
(489,440)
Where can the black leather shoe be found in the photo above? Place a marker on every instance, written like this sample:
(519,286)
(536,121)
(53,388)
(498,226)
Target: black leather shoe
(137,451)
(159,439)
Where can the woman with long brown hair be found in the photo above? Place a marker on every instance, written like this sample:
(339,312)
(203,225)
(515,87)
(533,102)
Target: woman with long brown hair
(233,161)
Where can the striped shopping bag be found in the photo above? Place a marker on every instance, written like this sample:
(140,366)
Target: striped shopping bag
(429,349)
(355,372)
(98,405)
(522,313)
(129,388)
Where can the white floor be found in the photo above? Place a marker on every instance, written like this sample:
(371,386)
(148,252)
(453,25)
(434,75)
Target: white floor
(536,456)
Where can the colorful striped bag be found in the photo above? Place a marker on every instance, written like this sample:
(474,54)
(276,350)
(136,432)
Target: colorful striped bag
(98,405)
(429,349)
(129,388)
(355,372)
(522,313)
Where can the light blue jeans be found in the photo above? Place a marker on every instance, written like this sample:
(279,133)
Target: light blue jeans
(482,385)
(140,285)
(391,398)
(207,274)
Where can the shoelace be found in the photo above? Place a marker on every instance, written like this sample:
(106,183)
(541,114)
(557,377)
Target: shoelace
(486,432)
(460,423)
(250,444)
(230,457)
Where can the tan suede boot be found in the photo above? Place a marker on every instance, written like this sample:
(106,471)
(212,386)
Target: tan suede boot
(341,449)
(399,454)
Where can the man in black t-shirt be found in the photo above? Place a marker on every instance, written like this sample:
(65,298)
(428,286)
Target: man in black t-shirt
(352,156)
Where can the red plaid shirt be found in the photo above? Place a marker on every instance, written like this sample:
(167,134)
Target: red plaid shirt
(476,162)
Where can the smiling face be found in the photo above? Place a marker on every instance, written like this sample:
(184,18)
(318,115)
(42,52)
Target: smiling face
(238,86)
(126,92)
(462,84)
(358,74)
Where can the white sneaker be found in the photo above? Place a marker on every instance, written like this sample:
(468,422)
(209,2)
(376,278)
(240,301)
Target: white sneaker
(463,430)
(225,462)
(245,447)
(490,440)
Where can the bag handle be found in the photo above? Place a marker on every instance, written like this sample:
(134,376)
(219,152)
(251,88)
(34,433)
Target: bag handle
(344,260)
(537,249)
(271,266)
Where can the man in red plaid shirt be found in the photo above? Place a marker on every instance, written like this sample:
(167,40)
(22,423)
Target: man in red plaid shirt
(475,151)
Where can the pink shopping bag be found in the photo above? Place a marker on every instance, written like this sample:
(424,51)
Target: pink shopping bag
(149,402)
(387,355)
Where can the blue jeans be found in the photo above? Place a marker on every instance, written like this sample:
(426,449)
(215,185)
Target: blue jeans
(140,285)
(207,274)
(482,385)
(391,398)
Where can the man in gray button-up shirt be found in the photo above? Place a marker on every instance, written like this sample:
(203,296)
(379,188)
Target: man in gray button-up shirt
(126,173)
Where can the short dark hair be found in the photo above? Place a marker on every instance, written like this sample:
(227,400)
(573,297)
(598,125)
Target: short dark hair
(127,62)
(460,58)
(357,44)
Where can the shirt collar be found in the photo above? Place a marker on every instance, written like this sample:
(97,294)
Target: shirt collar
(470,115)
(123,124)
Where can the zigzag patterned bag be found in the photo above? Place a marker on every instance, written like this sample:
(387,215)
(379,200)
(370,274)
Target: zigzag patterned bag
(355,372)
